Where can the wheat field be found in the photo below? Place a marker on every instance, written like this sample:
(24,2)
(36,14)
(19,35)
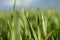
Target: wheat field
(31,24)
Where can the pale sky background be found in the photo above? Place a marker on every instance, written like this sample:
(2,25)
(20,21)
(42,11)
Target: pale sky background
(7,4)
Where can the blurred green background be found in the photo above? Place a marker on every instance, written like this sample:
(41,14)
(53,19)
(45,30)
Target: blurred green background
(30,24)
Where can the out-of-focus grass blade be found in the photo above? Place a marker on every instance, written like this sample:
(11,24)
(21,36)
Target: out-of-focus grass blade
(44,25)
(39,34)
(25,23)
(33,34)
(38,26)
(20,37)
(15,30)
